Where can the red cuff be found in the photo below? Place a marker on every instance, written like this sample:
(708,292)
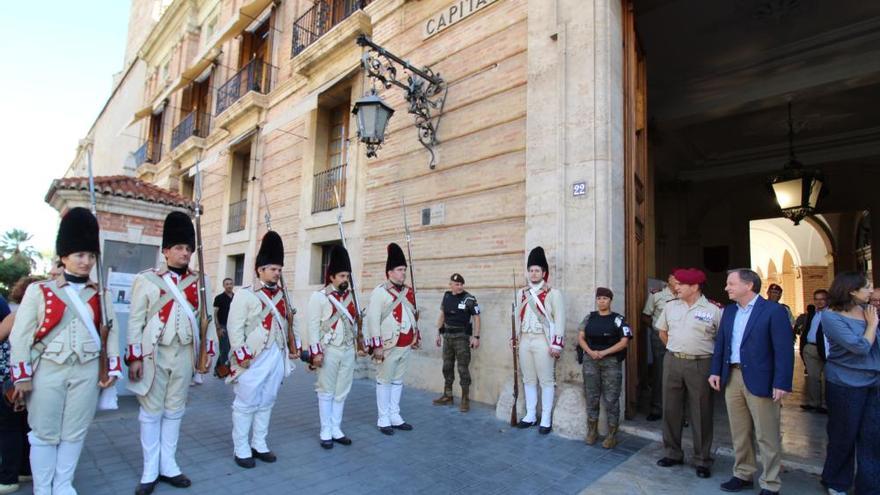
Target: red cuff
(316,349)
(21,371)
(558,341)
(134,353)
(243,354)
(210,348)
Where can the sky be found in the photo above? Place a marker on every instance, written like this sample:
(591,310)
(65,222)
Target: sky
(58,58)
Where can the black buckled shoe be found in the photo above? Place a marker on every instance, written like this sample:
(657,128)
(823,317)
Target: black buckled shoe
(544,430)
(735,484)
(523,424)
(264,456)
(146,488)
(403,426)
(247,462)
(387,430)
(179,481)
(669,462)
(343,440)
(703,472)
(327,444)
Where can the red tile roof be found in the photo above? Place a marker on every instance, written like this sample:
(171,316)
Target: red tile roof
(122,186)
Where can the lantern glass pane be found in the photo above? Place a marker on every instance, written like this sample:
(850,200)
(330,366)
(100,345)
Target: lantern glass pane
(382,115)
(788,193)
(367,121)
(815,188)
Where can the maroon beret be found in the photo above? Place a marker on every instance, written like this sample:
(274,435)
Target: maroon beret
(689,276)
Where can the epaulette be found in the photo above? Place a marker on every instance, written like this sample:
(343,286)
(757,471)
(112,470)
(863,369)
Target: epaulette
(148,270)
(654,291)
(716,303)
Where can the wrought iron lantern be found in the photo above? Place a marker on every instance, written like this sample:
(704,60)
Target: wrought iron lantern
(424,91)
(796,188)
(372,117)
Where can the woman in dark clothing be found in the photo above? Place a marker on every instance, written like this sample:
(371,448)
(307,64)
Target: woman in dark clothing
(852,381)
(603,336)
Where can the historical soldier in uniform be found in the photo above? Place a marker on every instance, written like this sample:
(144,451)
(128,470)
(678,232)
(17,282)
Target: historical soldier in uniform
(163,343)
(603,336)
(458,335)
(392,324)
(774,293)
(651,314)
(540,339)
(260,354)
(55,354)
(333,320)
(688,327)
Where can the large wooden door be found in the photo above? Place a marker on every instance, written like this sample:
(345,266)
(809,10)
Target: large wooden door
(635,194)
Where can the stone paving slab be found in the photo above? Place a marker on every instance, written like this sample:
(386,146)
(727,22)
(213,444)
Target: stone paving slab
(447,453)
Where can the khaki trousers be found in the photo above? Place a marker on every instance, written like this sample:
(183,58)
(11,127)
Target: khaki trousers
(336,373)
(393,367)
(62,404)
(815,380)
(174,369)
(754,418)
(686,384)
(537,364)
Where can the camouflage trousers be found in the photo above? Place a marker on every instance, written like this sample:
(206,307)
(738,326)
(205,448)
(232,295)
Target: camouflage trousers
(602,381)
(456,347)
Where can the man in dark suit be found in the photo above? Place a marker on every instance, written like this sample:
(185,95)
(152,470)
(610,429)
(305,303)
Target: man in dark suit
(812,347)
(753,364)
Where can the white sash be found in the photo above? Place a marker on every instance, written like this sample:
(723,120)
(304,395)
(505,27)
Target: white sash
(341,308)
(534,295)
(83,313)
(184,306)
(281,321)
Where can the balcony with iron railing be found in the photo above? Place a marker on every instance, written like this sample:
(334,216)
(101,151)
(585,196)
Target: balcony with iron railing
(149,152)
(256,76)
(237,216)
(320,19)
(194,124)
(327,184)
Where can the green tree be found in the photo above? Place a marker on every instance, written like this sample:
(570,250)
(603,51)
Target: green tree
(12,269)
(14,244)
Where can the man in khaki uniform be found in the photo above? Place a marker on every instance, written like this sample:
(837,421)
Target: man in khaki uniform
(257,327)
(688,327)
(163,333)
(540,339)
(333,319)
(55,355)
(392,324)
(651,315)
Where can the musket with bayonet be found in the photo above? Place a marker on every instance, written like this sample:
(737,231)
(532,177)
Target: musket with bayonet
(202,361)
(293,345)
(514,347)
(106,323)
(359,346)
(412,269)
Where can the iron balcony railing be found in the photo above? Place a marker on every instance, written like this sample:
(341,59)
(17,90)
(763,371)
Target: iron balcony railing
(327,184)
(255,76)
(194,124)
(321,18)
(149,152)
(237,217)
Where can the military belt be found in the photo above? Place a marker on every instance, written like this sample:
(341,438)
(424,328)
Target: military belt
(681,355)
(453,329)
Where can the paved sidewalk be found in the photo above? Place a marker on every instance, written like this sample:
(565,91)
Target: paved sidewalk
(447,452)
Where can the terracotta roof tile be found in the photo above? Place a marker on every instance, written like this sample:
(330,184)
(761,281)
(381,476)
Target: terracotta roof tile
(122,186)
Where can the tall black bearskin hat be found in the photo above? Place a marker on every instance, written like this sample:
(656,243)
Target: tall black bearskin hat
(271,250)
(537,258)
(339,262)
(78,232)
(395,258)
(178,229)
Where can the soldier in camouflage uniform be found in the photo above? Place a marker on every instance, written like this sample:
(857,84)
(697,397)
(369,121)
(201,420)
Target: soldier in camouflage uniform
(603,336)
(459,331)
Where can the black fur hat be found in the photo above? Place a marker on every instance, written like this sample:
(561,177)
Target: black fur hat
(271,250)
(537,258)
(78,232)
(178,229)
(395,258)
(339,262)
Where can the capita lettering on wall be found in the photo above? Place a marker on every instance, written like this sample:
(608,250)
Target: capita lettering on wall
(455,12)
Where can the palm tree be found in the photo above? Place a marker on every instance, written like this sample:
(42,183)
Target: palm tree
(12,245)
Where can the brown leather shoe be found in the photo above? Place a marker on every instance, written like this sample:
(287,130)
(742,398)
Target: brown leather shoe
(445,399)
(465,404)
(592,432)
(611,439)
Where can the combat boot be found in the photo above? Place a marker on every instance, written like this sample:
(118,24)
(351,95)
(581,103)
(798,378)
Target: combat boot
(592,431)
(465,404)
(611,440)
(445,399)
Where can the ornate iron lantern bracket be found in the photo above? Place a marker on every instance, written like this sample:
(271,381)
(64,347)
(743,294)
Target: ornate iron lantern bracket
(424,90)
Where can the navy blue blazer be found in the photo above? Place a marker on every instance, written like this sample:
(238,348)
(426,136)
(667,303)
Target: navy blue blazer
(766,353)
